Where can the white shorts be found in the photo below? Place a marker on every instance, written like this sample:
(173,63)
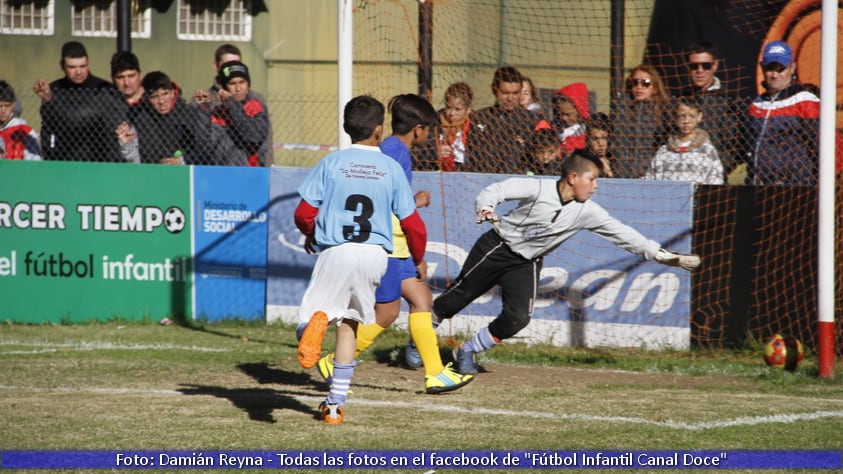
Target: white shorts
(343,283)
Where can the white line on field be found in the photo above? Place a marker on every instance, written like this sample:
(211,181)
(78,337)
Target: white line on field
(85,345)
(704,425)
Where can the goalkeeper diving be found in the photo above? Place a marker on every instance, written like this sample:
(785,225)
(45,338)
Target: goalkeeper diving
(510,255)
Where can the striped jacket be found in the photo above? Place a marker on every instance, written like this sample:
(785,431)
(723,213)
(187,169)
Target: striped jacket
(785,128)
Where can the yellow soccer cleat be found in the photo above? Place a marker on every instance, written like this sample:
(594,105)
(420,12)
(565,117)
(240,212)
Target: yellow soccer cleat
(445,381)
(326,368)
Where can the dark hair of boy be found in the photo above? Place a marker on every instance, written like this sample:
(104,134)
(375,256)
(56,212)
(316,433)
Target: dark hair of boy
(7,93)
(541,139)
(580,161)
(410,110)
(506,74)
(224,49)
(124,61)
(694,102)
(73,49)
(156,80)
(361,116)
(700,47)
(600,121)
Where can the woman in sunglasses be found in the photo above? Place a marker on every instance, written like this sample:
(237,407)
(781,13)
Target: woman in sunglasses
(639,120)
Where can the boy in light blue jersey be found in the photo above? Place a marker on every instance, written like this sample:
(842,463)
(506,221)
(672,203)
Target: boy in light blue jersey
(412,118)
(347,203)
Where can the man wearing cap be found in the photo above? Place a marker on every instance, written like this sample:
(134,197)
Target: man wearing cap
(783,123)
(243,115)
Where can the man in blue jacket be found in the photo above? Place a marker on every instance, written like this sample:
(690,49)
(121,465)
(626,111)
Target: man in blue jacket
(784,123)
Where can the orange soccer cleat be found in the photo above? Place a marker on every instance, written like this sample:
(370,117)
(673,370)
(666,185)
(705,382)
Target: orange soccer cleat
(310,344)
(331,414)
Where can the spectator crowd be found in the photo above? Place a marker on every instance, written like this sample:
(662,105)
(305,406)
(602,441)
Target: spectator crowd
(701,133)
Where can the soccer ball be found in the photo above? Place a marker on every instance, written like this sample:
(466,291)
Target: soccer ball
(783,352)
(174,220)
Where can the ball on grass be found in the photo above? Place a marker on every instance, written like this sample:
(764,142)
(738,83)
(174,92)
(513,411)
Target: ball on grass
(783,352)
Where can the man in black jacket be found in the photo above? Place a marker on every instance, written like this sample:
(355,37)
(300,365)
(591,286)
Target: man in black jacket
(79,111)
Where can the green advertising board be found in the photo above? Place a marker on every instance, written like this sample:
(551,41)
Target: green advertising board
(94,241)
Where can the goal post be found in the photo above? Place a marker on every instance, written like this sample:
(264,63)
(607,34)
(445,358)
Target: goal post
(826,264)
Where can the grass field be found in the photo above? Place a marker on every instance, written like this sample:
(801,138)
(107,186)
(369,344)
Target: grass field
(237,386)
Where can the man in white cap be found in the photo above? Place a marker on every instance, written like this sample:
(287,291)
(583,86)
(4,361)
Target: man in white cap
(784,123)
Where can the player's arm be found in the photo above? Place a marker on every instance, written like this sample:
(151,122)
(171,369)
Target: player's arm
(507,190)
(687,261)
(305,219)
(416,234)
(633,241)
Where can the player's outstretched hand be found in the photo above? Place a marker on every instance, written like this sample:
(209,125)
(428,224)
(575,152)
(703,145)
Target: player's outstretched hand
(310,244)
(487,214)
(689,262)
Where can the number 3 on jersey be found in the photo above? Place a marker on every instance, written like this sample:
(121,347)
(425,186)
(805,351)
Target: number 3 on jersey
(363,206)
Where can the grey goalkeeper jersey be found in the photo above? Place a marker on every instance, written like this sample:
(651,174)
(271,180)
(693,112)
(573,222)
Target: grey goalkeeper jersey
(541,222)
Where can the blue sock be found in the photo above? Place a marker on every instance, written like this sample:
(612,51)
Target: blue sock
(481,341)
(340,383)
(300,330)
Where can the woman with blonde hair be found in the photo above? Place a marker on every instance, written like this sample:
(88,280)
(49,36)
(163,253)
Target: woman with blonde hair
(454,122)
(640,121)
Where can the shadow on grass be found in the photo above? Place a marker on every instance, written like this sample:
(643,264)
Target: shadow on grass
(260,402)
(394,357)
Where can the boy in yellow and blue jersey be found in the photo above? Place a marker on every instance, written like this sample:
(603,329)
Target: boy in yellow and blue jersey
(412,118)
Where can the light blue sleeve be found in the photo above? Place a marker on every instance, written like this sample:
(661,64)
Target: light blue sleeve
(404,202)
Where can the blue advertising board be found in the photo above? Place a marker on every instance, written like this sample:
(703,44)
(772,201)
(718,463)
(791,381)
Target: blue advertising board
(591,291)
(230,233)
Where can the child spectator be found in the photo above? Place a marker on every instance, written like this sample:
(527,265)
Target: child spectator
(18,140)
(570,106)
(545,150)
(688,154)
(224,53)
(530,96)
(243,115)
(598,135)
(166,130)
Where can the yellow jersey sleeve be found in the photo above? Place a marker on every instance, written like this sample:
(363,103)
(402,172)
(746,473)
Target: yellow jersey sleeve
(400,249)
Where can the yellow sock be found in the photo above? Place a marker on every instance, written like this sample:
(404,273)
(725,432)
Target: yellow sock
(423,334)
(366,335)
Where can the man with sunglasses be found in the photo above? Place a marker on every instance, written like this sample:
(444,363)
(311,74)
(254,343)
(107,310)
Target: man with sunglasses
(719,111)
(784,123)
(702,67)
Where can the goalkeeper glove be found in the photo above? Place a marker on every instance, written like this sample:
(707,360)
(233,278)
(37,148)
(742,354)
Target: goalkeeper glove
(487,213)
(682,260)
